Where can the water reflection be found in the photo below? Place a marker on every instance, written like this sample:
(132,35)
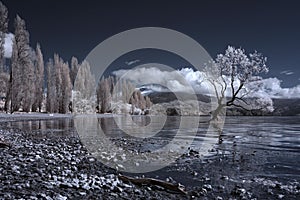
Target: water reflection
(139,126)
(277,137)
(272,142)
(135,145)
(46,128)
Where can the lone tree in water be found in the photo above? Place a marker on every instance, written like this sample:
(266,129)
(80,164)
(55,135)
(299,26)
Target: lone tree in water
(230,73)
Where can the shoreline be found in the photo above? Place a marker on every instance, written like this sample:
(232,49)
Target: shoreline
(61,168)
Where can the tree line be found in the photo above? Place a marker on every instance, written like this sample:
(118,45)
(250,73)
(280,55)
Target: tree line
(25,77)
(232,75)
(29,83)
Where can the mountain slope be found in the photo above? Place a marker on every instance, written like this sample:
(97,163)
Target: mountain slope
(282,107)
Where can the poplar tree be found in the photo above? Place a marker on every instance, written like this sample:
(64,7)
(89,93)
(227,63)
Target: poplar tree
(66,88)
(51,87)
(85,81)
(3,31)
(22,71)
(39,80)
(104,96)
(58,83)
(83,100)
(74,69)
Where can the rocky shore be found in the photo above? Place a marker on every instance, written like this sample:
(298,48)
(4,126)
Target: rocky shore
(61,168)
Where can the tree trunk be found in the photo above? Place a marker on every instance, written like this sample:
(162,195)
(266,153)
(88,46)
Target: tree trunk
(216,115)
(8,94)
(218,111)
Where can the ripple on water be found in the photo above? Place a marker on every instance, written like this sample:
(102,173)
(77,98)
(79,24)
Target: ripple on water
(274,142)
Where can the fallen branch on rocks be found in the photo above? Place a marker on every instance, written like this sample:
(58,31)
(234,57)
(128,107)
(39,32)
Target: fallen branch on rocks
(150,181)
(4,144)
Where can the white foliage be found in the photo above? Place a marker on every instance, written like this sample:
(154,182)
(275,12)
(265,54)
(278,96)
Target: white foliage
(59,86)
(39,79)
(265,103)
(85,81)
(83,105)
(8,44)
(232,72)
(23,89)
(120,107)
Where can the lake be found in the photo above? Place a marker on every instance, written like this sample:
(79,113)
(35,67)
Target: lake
(275,141)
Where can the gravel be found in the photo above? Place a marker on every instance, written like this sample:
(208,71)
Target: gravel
(60,168)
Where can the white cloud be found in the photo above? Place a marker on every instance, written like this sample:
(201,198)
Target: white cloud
(181,80)
(131,62)
(173,80)
(271,87)
(287,72)
(8,43)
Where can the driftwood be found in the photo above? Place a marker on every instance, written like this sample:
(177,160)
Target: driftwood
(4,144)
(151,181)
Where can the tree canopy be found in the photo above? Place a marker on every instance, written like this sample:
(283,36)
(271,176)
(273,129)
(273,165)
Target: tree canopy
(229,75)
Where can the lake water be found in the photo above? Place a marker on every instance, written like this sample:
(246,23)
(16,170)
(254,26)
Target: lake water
(274,140)
(269,145)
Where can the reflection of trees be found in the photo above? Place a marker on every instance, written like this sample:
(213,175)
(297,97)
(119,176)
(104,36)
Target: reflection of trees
(110,127)
(104,124)
(45,128)
(140,120)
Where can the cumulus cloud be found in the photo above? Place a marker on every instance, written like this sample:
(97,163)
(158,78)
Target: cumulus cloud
(186,78)
(272,87)
(8,43)
(173,80)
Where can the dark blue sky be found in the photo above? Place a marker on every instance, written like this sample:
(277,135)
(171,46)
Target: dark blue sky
(75,28)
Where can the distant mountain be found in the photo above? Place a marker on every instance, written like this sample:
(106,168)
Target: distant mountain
(164,97)
(161,94)
(282,107)
(152,88)
(286,106)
